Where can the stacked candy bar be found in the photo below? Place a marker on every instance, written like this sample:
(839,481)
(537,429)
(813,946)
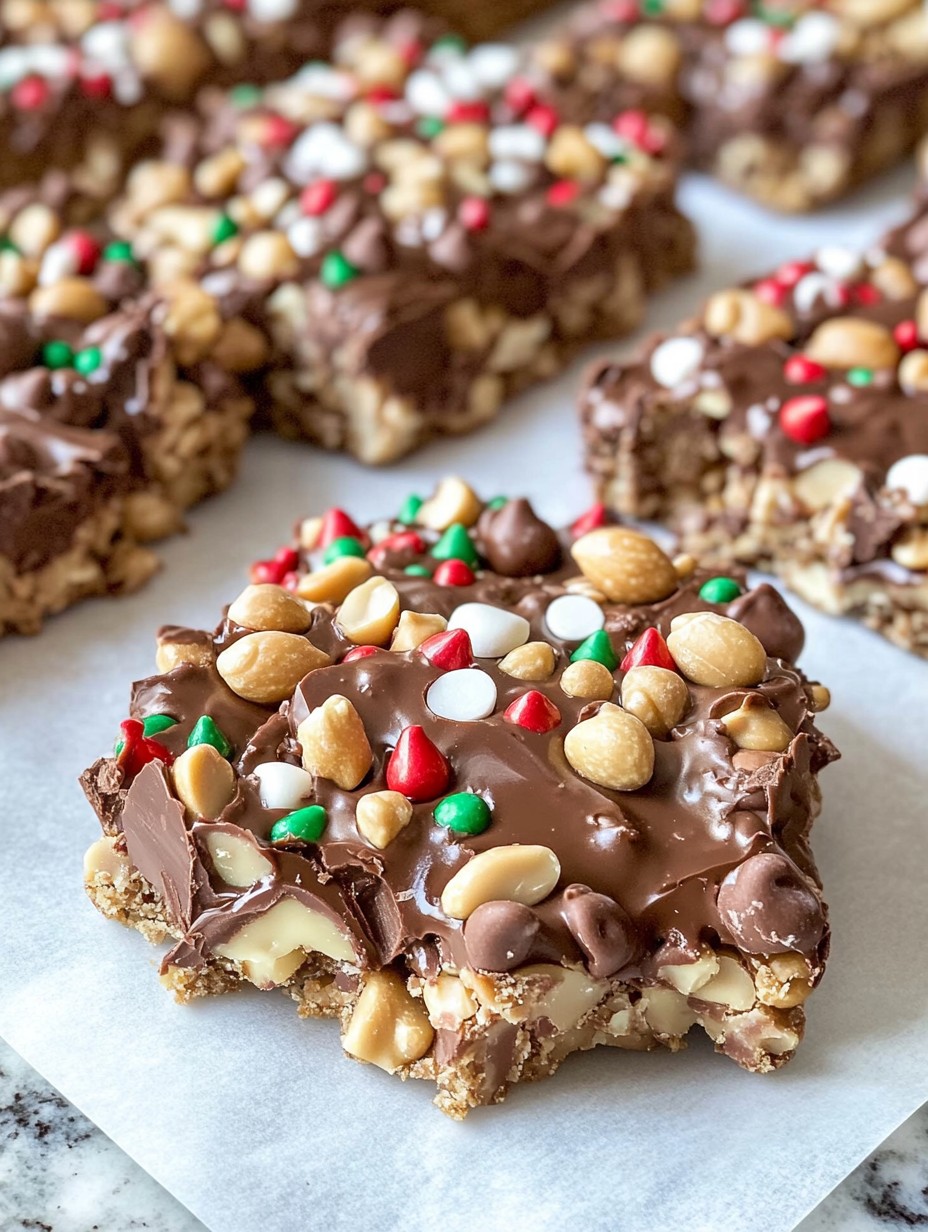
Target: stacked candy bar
(788,427)
(791,102)
(486,793)
(119,407)
(422,232)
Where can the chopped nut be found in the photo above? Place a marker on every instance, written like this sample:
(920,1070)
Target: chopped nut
(266,606)
(913,371)
(449,1002)
(850,342)
(667,1012)
(237,859)
(518,873)
(783,981)
(656,696)
(612,749)
(204,781)
(821,697)
(273,946)
(333,583)
(172,654)
(716,651)
(911,549)
(452,501)
(370,613)
(381,815)
(267,666)
(388,1027)
(588,679)
(567,997)
(192,321)
(534,661)
(335,744)
(731,986)
(626,566)
(825,482)
(689,977)
(35,228)
(571,155)
(267,255)
(414,628)
(240,347)
(894,278)
(755,726)
(685,565)
(650,54)
(741,315)
(151,185)
(104,856)
(75,298)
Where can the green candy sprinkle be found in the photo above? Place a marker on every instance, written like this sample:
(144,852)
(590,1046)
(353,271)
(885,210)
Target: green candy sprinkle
(305,824)
(449,42)
(417,571)
(456,544)
(224,229)
(597,647)
(7,245)
(860,376)
(719,590)
(156,723)
(429,127)
(245,94)
(118,747)
(497,502)
(463,813)
(337,270)
(409,509)
(88,360)
(344,545)
(205,731)
(652,8)
(118,250)
(57,354)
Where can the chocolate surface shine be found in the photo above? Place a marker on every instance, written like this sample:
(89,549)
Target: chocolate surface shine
(640,870)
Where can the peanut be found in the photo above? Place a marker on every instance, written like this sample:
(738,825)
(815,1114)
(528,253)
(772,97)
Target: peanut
(170,654)
(656,696)
(650,54)
(75,298)
(333,583)
(612,749)
(825,482)
(414,628)
(626,566)
(848,342)
(34,229)
(370,613)
(192,321)
(755,726)
(742,316)
(152,185)
(588,679)
(921,315)
(911,549)
(204,781)
(716,651)
(452,501)
(237,860)
(381,815)
(821,697)
(267,666)
(783,981)
(448,1001)
(267,255)
(732,986)
(894,278)
(265,606)
(913,371)
(169,52)
(388,1027)
(335,744)
(534,661)
(572,156)
(518,873)
(240,347)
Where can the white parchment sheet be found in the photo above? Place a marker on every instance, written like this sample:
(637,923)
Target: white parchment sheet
(256,1120)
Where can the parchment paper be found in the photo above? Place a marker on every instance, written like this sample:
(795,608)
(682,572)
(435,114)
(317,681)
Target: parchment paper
(256,1121)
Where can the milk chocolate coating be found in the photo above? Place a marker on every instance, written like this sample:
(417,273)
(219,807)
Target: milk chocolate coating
(516,542)
(499,935)
(769,907)
(773,622)
(601,929)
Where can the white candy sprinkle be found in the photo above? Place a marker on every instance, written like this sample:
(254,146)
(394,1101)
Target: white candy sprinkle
(273,10)
(186,9)
(107,44)
(605,139)
(461,81)
(521,141)
(269,196)
(574,617)
(282,786)
(323,149)
(676,360)
(910,475)
(839,262)
(510,177)
(426,94)
(434,222)
(59,261)
(493,64)
(306,236)
(812,39)
(464,695)
(747,37)
(616,194)
(127,86)
(325,82)
(493,631)
(812,287)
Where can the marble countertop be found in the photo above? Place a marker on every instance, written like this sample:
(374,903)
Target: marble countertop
(59,1173)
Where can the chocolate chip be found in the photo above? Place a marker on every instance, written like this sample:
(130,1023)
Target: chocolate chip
(517,542)
(776,626)
(499,935)
(769,907)
(366,246)
(601,929)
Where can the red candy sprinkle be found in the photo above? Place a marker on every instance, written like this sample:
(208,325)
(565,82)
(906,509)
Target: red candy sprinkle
(563,192)
(450,650)
(374,182)
(799,370)
(97,85)
(519,94)
(336,524)
(381,94)
(467,113)
(805,419)
(792,271)
(402,541)
(30,93)
(359,652)
(543,118)
(594,517)
(284,562)
(906,335)
(277,132)
(474,214)
(453,573)
(866,293)
(534,712)
(410,53)
(85,249)
(649,650)
(416,768)
(316,198)
(769,291)
(138,750)
(723,12)
(636,127)
(624,11)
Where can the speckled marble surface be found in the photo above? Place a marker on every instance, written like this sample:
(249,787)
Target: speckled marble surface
(58,1173)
